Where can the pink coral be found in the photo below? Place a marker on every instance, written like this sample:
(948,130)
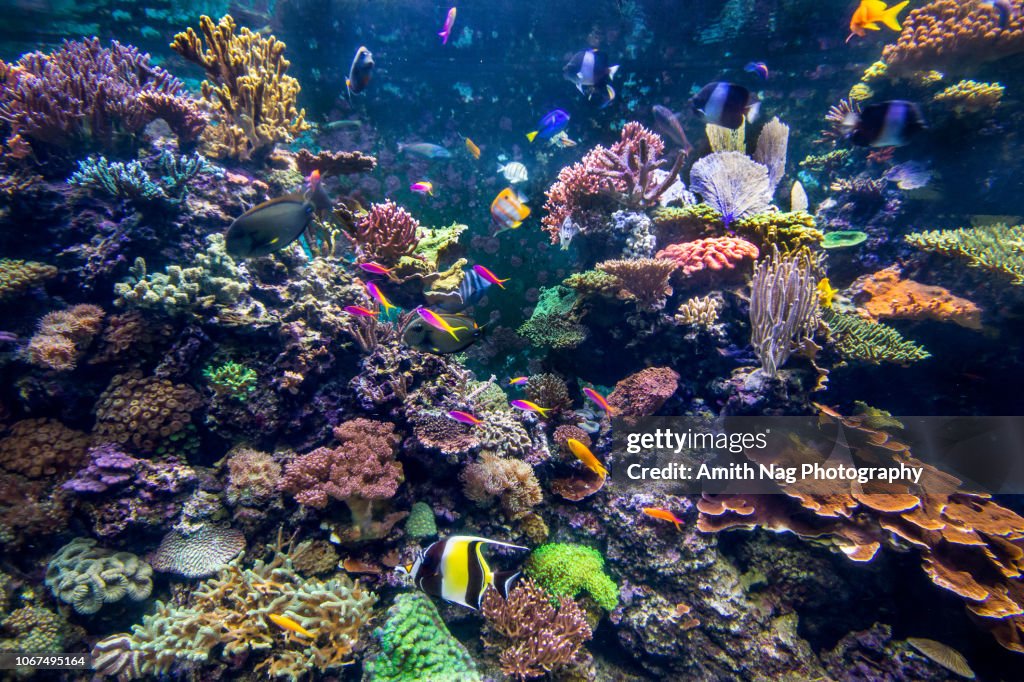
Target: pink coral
(574,193)
(385,234)
(721,254)
(642,394)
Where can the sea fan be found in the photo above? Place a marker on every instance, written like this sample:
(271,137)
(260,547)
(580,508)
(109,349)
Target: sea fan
(732,184)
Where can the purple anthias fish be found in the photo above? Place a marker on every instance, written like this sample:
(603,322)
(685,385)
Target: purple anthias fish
(446,30)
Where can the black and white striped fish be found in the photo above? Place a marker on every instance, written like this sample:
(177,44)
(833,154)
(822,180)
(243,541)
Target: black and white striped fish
(726,104)
(470,291)
(455,570)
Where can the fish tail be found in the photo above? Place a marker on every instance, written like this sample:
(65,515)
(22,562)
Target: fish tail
(532,136)
(452,330)
(891,16)
(504,580)
(678,527)
(501,282)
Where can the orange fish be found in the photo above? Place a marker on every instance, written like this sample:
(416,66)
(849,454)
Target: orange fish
(584,455)
(286,623)
(508,210)
(664,515)
(472,148)
(599,399)
(867,15)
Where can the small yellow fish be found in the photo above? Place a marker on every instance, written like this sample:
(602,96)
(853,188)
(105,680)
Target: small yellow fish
(472,148)
(826,293)
(286,623)
(870,12)
(584,455)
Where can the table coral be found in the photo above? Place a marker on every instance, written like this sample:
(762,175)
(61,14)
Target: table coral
(87,576)
(719,254)
(885,294)
(252,97)
(533,637)
(950,35)
(644,280)
(143,411)
(996,248)
(233,609)
(565,570)
(18,276)
(416,645)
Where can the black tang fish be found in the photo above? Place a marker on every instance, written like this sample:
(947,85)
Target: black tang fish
(885,124)
(360,71)
(424,337)
(726,104)
(455,570)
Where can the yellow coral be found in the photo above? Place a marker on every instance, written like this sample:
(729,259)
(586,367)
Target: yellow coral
(252,98)
(874,72)
(860,92)
(968,97)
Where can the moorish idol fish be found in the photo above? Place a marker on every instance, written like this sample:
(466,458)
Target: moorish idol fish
(455,570)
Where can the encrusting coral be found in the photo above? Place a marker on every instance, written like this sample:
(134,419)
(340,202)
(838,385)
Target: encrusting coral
(885,294)
(252,97)
(233,609)
(87,577)
(18,276)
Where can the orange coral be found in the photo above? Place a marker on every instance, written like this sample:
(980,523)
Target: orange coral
(955,34)
(63,335)
(143,411)
(39,448)
(884,294)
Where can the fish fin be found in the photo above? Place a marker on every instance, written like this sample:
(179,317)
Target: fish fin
(579,83)
(486,541)
(504,580)
(611,96)
(613,70)
(872,26)
(678,527)
(891,16)
(531,136)
(752,112)
(521,196)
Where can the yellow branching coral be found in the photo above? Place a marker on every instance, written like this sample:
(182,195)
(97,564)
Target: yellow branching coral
(860,92)
(252,97)
(789,231)
(876,71)
(969,97)
(996,248)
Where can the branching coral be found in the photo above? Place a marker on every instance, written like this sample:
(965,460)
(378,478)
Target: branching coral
(87,577)
(699,311)
(885,294)
(385,234)
(86,94)
(715,255)
(644,280)
(787,231)
(859,340)
(534,638)
(510,480)
(231,379)
(996,248)
(970,97)
(948,35)
(362,472)
(628,167)
(233,610)
(62,336)
(18,276)
(733,184)
(252,97)
(131,181)
(143,411)
(334,163)
(565,570)
(783,308)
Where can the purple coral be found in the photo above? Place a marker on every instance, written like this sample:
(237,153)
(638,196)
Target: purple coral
(108,467)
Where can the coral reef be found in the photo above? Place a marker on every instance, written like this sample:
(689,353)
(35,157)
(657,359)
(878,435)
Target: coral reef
(857,339)
(385,234)
(565,570)
(644,280)
(87,577)
(732,184)
(885,294)
(252,97)
(992,247)
(970,97)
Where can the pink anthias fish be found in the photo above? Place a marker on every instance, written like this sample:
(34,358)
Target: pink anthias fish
(360,311)
(375,269)
(437,322)
(423,187)
(489,276)
(446,31)
(465,417)
(378,295)
(518,381)
(600,400)
(529,406)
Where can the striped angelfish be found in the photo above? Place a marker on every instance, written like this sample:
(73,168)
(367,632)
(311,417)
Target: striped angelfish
(470,291)
(508,211)
(455,570)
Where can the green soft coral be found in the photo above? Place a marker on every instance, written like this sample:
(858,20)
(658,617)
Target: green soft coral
(421,522)
(231,379)
(565,570)
(554,324)
(416,645)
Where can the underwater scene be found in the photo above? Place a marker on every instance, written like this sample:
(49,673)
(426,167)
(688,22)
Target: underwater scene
(512,340)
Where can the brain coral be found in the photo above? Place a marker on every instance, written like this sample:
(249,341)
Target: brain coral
(87,577)
(200,553)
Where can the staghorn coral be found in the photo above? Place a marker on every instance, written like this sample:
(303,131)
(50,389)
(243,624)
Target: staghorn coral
(361,472)
(788,231)
(252,97)
(783,308)
(87,577)
(416,645)
(770,152)
(253,477)
(385,234)
(533,637)
(714,255)
(232,610)
(644,280)
(565,570)
(143,411)
(857,339)
(642,394)
(885,294)
(18,276)
(334,163)
(131,180)
(733,184)
(628,168)
(198,554)
(62,336)
(42,448)
(85,94)
(970,97)
(951,35)
(511,480)
(996,248)
(231,379)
